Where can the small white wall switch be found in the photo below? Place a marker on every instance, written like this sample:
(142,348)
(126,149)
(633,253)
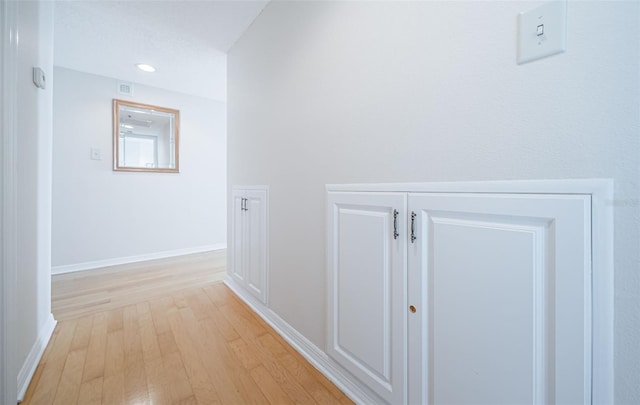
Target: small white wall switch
(542,31)
(96,154)
(38,78)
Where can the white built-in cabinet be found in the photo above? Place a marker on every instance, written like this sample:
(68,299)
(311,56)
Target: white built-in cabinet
(248,250)
(462,298)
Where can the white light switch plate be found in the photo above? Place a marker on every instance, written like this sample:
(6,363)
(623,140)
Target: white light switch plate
(542,31)
(96,154)
(39,78)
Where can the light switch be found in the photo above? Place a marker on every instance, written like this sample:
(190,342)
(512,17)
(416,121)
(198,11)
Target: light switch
(542,31)
(96,154)
(39,78)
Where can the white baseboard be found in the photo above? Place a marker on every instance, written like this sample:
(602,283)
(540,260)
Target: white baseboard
(351,387)
(69,268)
(35,354)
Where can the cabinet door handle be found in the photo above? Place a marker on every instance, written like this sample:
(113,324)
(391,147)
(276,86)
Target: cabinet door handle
(395,224)
(246,206)
(243,205)
(413,226)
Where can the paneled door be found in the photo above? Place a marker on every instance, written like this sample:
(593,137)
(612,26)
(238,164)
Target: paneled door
(367,284)
(501,286)
(248,248)
(237,237)
(255,244)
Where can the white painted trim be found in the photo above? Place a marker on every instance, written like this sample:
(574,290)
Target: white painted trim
(552,186)
(602,216)
(256,188)
(351,387)
(70,268)
(35,354)
(602,231)
(9,204)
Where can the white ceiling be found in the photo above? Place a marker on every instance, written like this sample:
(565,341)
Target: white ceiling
(185,40)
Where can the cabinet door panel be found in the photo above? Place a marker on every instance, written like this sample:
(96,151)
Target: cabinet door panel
(248,257)
(256,243)
(367,281)
(236,262)
(502,286)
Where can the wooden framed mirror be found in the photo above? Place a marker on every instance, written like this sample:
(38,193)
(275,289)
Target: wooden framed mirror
(145,138)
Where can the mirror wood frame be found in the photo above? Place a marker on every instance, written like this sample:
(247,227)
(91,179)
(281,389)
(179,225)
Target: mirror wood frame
(116,133)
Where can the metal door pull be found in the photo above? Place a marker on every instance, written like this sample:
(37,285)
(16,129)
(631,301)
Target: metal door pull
(395,224)
(413,226)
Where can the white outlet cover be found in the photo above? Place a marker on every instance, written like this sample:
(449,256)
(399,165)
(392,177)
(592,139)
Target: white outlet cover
(542,31)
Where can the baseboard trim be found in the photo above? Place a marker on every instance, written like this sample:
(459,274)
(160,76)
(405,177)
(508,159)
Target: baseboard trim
(70,268)
(351,387)
(35,354)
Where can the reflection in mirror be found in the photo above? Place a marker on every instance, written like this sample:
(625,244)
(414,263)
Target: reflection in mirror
(145,137)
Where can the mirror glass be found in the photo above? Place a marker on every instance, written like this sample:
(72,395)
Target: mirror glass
(145,137)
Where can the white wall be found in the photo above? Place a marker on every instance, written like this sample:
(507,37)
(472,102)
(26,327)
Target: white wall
(33,157)
(34,174)
(344,92)
(100,215)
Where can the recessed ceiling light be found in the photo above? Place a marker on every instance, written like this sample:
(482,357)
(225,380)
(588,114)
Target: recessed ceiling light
(146,68)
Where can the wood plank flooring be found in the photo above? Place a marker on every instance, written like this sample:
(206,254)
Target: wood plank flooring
(199,345)
(85,292)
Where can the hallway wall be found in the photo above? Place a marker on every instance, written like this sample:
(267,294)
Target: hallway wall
(368,92)
(102,217)
(34,322)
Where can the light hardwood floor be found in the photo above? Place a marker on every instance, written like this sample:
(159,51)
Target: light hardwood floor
(198,345)
(87,292)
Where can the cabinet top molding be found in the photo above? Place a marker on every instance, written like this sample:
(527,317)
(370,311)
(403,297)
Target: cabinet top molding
(249,187)
(601,187)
